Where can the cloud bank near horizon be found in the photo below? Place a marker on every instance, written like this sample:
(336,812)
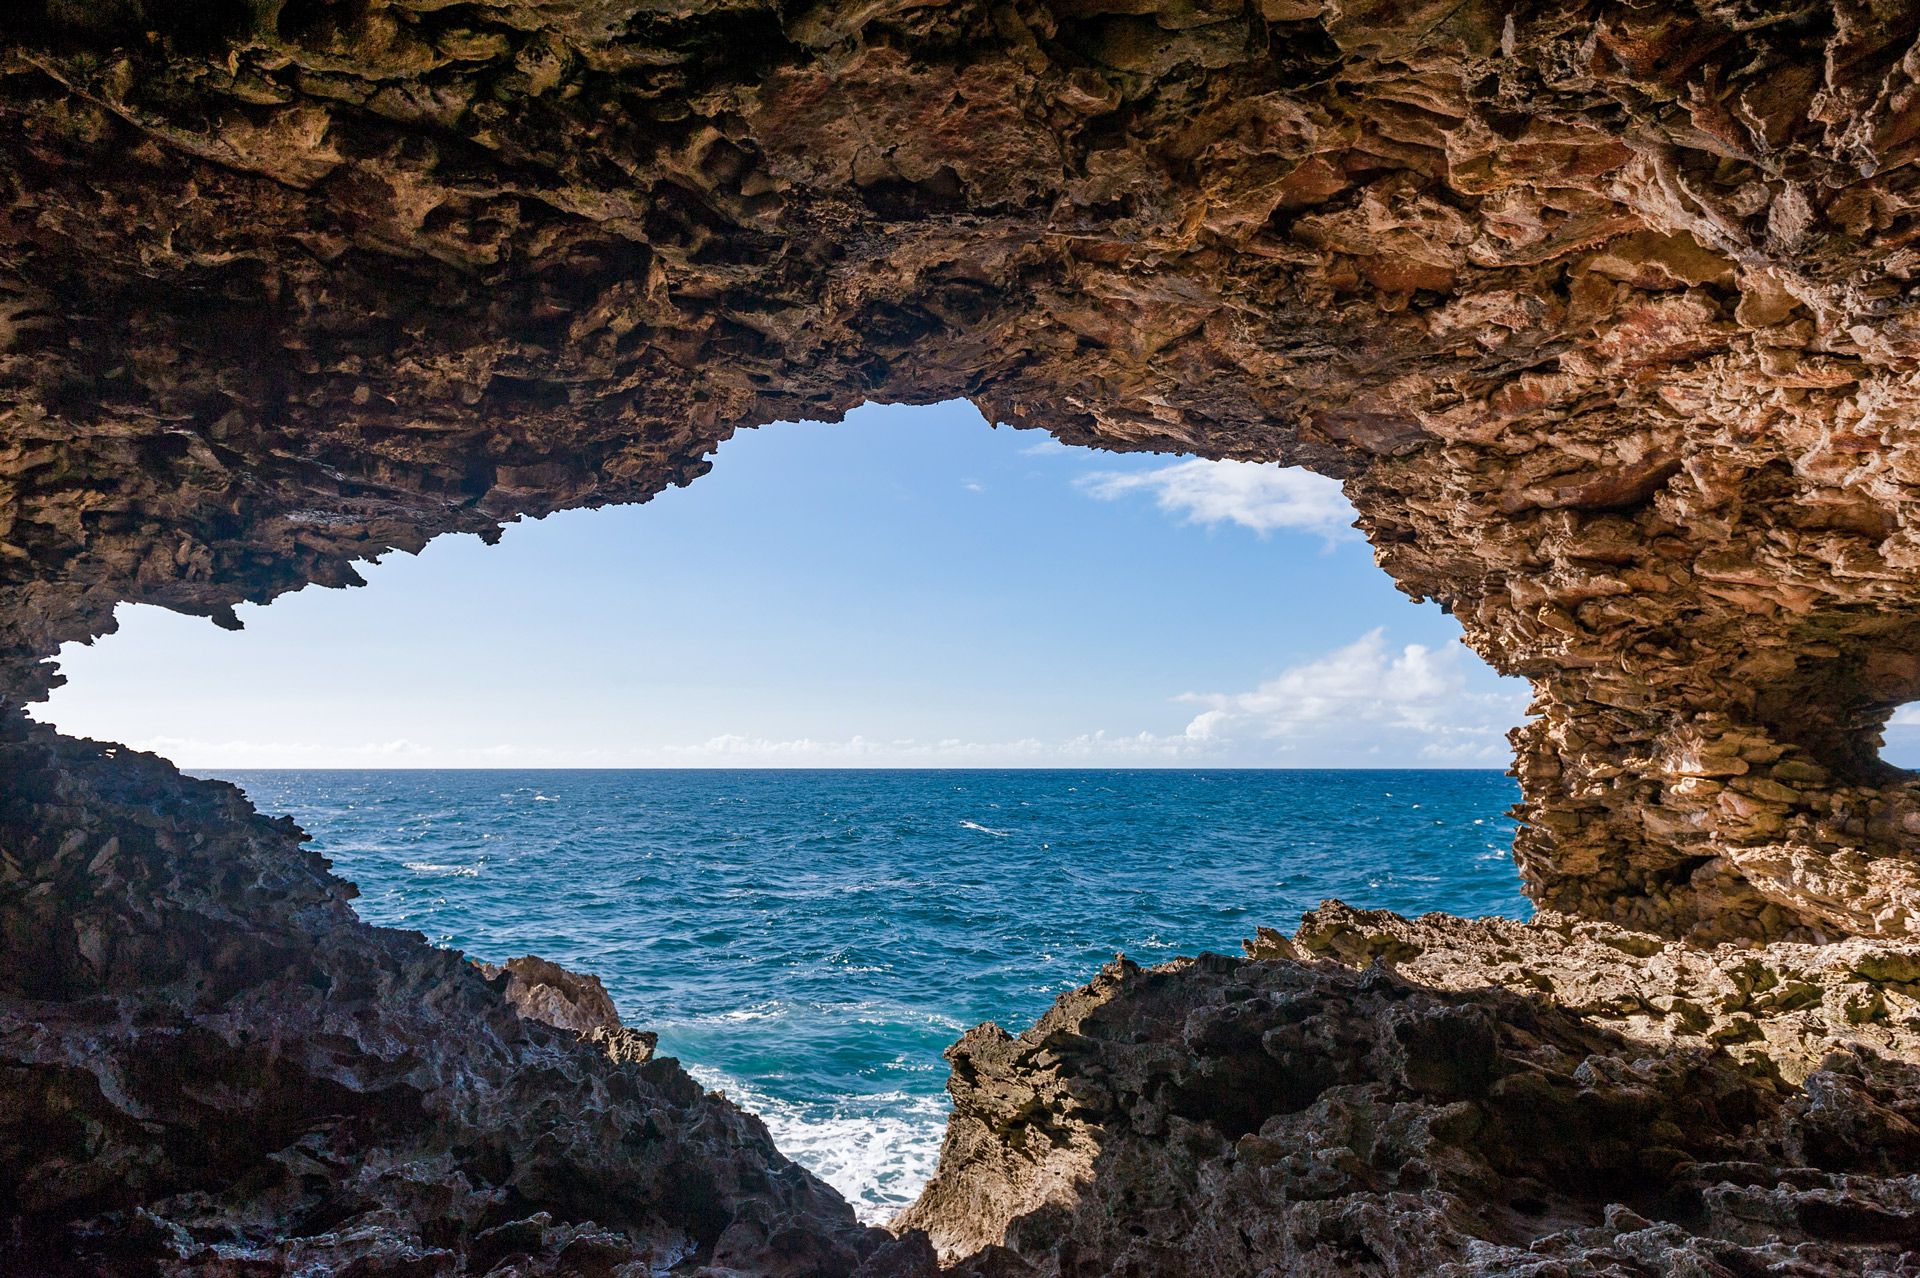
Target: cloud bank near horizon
(1341,704)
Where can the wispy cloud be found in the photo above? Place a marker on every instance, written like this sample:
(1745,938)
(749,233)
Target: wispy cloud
(1256,495)
(246,752)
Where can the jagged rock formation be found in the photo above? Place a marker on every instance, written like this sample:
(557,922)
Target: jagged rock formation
(1604,310)
(570,1000)
(1488,1098)
(209,1066)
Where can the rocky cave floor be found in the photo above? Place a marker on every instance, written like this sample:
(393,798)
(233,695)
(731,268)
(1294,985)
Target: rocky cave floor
(215,1068)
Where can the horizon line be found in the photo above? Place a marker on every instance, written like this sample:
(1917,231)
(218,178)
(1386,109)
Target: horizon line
(759,767)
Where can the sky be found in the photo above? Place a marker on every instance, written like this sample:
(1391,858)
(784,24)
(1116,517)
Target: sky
(908,588)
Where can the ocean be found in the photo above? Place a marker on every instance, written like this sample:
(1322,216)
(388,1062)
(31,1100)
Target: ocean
(810,941)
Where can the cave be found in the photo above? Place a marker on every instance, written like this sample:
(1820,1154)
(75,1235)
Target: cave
(1602,312)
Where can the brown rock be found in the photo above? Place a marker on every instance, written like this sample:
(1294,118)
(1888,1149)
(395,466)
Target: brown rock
(1602,313)
(1437,1096)
(1605,314)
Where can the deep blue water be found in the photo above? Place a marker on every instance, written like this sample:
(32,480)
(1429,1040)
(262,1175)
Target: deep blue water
(810,941)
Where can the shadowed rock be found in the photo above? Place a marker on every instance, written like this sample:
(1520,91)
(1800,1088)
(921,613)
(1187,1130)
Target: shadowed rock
(210,1066)
(1604,312)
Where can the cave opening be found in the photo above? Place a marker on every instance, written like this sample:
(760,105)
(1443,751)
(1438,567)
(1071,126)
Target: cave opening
(1013,707)
(1902,738)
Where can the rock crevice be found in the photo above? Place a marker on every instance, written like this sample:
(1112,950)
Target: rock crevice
(1604,312)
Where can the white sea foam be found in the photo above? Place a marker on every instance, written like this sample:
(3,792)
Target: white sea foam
(861,1012)
(975,825)
(758,1012)
(878,1151)
(452,871)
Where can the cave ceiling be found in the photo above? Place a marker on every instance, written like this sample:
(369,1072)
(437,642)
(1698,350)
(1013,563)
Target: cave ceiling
(1604,312)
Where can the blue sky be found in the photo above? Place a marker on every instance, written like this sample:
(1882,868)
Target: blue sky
(906,588)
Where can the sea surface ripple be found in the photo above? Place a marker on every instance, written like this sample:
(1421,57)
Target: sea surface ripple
(810,941)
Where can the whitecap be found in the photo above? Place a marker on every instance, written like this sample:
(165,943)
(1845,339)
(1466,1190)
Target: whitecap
(772,1009)
(872,1013)
(879,1151)
(431,867)
(975,825)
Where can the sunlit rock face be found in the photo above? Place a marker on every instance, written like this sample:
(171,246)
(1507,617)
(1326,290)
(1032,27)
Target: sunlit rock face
(1384,1096)
(1601,309)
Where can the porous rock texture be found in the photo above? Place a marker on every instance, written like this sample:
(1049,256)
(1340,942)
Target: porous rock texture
(1382,1096)
(1604,311)
(571,1000)
(209,1066)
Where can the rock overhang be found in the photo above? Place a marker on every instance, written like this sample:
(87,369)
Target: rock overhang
(1603,313)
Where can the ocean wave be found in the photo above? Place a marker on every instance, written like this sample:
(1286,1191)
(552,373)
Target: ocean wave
(879,1152)
(975,825)
(767,1011)
(894,1014)
(451,871)
(817,1015)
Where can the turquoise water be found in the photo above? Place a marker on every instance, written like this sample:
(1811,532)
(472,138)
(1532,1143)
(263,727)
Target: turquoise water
(810,941)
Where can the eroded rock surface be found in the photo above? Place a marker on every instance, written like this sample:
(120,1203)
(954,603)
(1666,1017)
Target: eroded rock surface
(209,1066)
(575,1001)
(1481,1098)
(1604,310)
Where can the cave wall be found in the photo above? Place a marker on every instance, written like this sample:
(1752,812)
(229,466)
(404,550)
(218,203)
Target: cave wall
(1602,310)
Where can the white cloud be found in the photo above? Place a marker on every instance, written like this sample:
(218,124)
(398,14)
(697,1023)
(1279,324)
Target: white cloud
(1047,446)
(729,750)
(1906,716)
(1256,495)
(1367,692)
(195,752)
(735,750)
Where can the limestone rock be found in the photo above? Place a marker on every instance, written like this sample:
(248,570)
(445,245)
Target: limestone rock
(548,992)
(1386,1096)
(1606,313)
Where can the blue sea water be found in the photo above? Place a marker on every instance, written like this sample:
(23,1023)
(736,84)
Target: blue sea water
(810,941)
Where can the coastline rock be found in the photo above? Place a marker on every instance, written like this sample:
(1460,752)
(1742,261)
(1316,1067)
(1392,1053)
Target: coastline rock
(550,993)
(1607,315)
(210,1066)
(1386,1096)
